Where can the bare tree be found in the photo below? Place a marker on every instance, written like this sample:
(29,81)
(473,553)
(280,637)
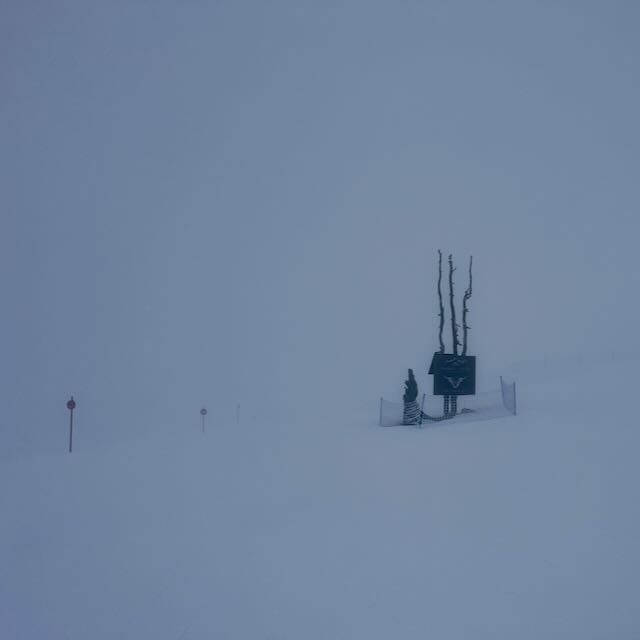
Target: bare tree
(454,324)
(465,309)
(451,401)
(441,314)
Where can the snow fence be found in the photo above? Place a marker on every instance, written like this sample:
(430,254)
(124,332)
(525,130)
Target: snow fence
(482,406)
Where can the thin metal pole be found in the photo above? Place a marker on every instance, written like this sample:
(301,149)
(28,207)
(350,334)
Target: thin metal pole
(203,413)
(70,430)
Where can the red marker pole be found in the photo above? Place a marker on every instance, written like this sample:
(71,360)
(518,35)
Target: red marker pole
(71,405)
(203,413)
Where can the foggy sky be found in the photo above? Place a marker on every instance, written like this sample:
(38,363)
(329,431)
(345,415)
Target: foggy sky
(218,202)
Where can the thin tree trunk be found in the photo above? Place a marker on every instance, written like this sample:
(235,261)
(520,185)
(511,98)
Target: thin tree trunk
(440,300)
(454,326)
(465,309)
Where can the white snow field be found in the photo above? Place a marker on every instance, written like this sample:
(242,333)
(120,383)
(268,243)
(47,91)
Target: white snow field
(524,527)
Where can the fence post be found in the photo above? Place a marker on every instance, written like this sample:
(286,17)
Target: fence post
(71,405)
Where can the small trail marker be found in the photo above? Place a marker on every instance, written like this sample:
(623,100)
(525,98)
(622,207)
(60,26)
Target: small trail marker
(203,413)
(71,405)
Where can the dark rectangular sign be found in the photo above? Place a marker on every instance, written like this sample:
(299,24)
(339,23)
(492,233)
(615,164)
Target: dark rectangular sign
(453,375)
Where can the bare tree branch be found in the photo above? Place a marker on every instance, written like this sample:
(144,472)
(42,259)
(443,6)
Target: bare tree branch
(441,314)
(465,309)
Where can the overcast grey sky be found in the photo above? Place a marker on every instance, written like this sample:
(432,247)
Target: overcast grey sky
(211,202)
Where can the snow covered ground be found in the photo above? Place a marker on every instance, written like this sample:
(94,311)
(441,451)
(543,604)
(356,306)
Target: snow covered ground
(524,527)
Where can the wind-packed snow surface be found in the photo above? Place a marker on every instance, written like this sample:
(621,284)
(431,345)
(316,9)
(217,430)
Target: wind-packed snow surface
(524,527)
